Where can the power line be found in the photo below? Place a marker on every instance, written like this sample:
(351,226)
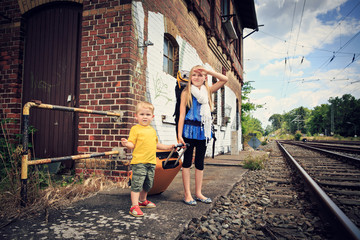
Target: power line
(342,19)
(318,49)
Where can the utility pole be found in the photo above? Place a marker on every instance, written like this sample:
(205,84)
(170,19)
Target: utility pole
(332,120)
(297,120)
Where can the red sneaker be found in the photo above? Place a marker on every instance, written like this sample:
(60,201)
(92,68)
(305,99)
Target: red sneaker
(147,204)
(136,211)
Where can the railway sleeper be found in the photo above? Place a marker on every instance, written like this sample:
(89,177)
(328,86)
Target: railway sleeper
(339,178)
(349,185)
(342,192)
(284,233)
(351,202)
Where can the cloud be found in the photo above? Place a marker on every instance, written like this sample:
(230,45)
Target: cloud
(261,91)
(307,40)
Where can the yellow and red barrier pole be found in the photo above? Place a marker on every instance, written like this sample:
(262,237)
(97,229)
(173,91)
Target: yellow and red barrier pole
(25,162)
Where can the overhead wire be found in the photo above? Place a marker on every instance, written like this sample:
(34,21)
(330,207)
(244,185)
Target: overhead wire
(342,19)
(329,60)
(284,88)
(304,46)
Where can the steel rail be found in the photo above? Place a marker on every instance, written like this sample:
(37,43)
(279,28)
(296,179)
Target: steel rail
(345,223)
(352,148)
(331,153)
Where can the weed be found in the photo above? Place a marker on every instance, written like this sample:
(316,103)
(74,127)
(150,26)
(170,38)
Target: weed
(297,136)
(44,190)
(254,163)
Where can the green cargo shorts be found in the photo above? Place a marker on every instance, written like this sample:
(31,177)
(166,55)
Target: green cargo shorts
(142,177)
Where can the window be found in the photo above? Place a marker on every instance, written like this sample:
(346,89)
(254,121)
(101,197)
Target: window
(223,120)
(171,55)
(237,42)
(225,9)
(222,92)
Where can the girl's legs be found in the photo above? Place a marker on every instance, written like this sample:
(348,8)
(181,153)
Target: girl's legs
(186,170)
(199,167)
(186,182)
(198,183)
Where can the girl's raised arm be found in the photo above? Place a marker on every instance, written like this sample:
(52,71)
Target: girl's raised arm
(222,80)
(221,77)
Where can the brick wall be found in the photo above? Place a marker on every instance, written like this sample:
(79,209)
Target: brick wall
(114,72)
(11,55)
(107,83)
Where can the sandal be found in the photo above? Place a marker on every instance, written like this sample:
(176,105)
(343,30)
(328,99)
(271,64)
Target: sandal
(191,203)
(136,211)
(206,200)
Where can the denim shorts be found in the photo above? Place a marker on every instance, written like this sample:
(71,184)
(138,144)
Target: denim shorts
(142,177)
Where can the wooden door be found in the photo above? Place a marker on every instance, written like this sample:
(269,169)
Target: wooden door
(51,75)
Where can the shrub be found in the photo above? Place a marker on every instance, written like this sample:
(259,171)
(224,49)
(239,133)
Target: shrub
(254,163)
(297,136)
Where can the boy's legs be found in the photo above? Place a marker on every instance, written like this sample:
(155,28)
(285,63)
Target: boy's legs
(135,198)
(137,182)
(147,185)
(143,196)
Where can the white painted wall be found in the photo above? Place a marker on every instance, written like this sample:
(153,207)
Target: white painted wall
(161,86)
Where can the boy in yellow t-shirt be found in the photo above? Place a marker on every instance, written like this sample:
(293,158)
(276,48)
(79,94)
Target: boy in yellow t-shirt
(144,141)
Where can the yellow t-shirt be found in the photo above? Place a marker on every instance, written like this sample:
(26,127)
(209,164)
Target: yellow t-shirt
(145,140)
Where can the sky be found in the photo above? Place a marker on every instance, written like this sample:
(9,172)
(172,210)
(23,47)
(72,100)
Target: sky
(307,52)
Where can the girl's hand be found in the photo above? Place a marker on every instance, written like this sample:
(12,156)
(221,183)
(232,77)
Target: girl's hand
(201,70)
(181,140)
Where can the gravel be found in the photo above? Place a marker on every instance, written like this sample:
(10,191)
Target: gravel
(244,213)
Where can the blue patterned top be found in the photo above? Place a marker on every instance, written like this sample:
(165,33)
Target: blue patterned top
(192,123)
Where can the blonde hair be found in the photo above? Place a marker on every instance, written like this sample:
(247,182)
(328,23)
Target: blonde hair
(144,105)
(187,90)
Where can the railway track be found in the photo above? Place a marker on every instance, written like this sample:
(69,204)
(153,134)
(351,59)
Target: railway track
(335,179)
(275,202)
(352,147)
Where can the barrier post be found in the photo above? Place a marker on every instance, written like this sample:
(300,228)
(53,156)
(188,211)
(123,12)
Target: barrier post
(25,161)
(25,154)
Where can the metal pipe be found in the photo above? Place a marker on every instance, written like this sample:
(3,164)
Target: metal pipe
(73,157)
(25,154)
(25,162)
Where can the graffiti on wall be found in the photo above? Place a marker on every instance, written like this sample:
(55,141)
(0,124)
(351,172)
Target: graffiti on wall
(161,89)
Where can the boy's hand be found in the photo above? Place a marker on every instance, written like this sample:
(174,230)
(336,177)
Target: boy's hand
(127,144)
(124,142)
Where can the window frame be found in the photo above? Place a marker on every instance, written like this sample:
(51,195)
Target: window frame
(173,58)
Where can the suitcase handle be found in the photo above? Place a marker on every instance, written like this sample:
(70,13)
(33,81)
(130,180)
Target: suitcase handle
(180,145)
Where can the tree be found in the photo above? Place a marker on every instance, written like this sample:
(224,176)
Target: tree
(318,121)
(268,130)
(253,125)
(276,120)
(344,114)
(295,119)
(246,108)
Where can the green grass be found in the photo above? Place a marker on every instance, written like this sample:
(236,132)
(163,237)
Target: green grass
(254,163)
